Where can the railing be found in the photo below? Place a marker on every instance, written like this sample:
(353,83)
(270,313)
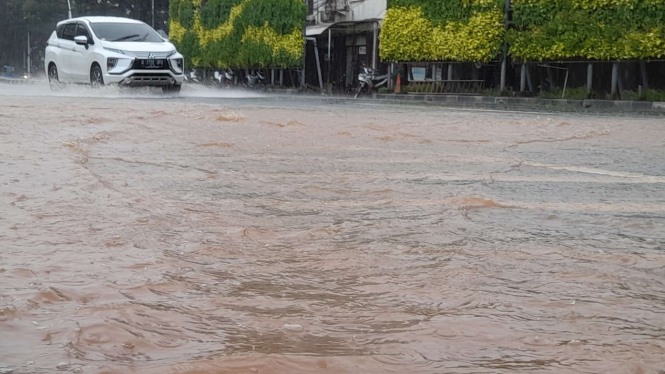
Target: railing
(446,87)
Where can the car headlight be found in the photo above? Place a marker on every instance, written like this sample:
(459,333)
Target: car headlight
(111,63)
(114,50)
(118,65)
(177,65)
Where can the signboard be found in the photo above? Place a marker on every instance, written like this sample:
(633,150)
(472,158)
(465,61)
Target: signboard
(362,50)
(418,74)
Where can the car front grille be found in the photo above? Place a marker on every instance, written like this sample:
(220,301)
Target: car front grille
(149,79)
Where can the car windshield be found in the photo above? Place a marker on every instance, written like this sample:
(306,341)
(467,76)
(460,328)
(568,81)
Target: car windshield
(126,32)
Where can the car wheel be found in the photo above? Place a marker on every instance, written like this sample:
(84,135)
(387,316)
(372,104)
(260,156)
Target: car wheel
(53,81)
(96,76)
(171,89)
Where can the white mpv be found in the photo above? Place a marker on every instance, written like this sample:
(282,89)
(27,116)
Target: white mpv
(112,50)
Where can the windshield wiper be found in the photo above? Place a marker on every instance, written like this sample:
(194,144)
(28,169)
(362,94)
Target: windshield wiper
(126,37)
(143,38)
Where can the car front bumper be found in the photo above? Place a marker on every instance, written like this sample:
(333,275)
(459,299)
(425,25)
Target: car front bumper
(145,78)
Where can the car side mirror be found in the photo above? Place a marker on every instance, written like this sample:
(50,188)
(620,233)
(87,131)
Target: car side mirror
(81,40)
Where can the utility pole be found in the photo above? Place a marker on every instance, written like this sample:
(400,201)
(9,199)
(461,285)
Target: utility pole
(153,14)
(504,60)
(304,53)
(69,12)
(29,53)
(375,45)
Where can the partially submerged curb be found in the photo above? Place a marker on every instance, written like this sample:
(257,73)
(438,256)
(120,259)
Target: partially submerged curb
(20,81)
(563,105)
(506,103)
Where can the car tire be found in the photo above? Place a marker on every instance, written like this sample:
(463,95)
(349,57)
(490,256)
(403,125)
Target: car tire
(96,76)
(172,89)
(53,81)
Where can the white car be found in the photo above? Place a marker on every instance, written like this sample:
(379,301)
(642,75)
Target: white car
(112,50)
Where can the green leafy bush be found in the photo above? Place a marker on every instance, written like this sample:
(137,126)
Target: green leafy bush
(239,33)
(436,30)
(589,29)
(578,93)
(647,95)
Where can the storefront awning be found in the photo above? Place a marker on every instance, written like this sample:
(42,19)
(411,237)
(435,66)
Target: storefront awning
(342,28)
(317,29)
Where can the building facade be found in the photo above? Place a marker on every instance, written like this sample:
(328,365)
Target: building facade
(346,36)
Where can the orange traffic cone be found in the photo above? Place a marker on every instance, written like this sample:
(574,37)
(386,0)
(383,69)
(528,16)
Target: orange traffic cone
(398,84)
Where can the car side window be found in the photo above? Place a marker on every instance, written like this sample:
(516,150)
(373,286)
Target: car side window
(59,30)
(82,30)
(69,31)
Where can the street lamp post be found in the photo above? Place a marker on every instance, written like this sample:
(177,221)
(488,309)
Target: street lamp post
(29,50)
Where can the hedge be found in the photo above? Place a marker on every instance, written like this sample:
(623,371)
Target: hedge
(587,29)
(239,33)
(442,30)
(262,33)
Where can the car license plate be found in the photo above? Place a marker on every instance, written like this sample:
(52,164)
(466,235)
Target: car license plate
(151,64)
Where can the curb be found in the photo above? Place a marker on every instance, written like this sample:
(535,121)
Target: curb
(566,105)
(283,91)
(499,103)
(20,81)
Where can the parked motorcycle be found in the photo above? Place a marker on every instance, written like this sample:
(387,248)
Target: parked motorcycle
(192,77)
(224,79)
(256,81)
(368,81)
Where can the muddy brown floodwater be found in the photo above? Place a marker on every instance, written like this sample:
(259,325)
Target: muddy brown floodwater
(175,236)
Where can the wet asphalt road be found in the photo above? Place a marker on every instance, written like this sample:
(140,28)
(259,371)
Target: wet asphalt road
(230,232)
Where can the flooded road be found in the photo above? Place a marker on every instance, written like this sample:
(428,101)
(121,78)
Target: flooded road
(265,236)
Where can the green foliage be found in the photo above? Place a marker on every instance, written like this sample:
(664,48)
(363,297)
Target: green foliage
(647,95)
(239,33)
(216,12)
(590,29)
(440,12)
(189,47)
(284,16)
(183,12)
(435,30)
(654,95)
(575,93)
